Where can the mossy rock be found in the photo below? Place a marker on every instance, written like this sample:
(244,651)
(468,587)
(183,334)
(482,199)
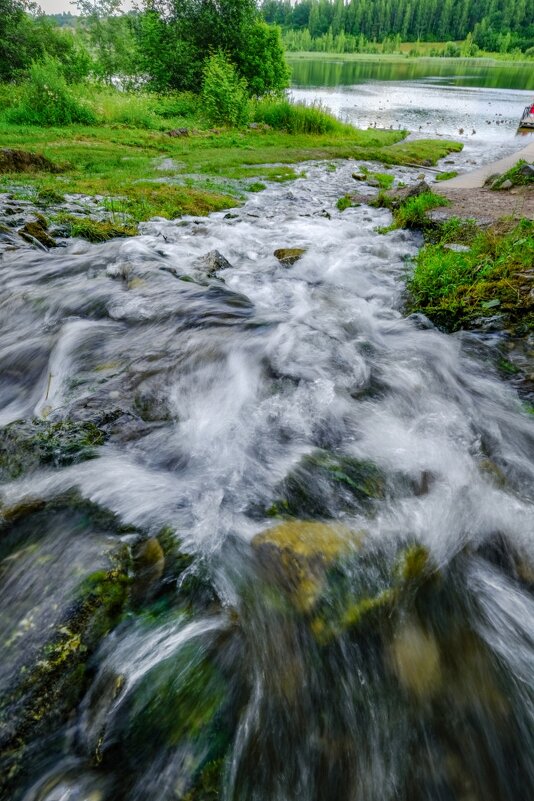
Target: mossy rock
(183,712)
(28,444)
(56,619)
(35,231)
(289,256)
(298,553)
(323,483)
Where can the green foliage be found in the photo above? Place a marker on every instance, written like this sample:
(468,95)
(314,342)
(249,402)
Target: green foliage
(176,38)
(453,288)
(515,176)
(47,100)
(444,176)
(413,213)
(224,93)
(360,25)
(262,61)
(344,202)
(295,118)
(24,39)
(111,38)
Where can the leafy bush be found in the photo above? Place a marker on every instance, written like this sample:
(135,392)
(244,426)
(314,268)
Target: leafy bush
(224,93)
(297,117)
(47,100)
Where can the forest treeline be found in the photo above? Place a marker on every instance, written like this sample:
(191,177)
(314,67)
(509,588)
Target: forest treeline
(163,45)
(494,25)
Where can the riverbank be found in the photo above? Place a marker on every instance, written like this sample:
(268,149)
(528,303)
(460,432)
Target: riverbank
(136,174)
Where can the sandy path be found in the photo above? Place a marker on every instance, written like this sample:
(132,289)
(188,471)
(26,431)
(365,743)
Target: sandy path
(477,178)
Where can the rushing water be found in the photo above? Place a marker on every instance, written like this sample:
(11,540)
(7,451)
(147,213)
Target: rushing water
(480,105)
(381,649)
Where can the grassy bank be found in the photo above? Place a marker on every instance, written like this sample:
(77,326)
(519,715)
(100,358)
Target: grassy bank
(487,272)
(148,165)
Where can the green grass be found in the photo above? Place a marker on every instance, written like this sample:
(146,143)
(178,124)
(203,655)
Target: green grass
(299,118)
(515,176)
(94,230)
(211,170)
(454,288)
(445,176)
(413,212)
(344,202)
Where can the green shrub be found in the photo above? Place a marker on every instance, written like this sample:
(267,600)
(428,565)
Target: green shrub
(46,99)
(224,93)
(280,113)
(262,62)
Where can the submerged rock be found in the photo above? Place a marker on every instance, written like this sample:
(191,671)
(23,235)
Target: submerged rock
(288,256)
(298,553)
(324,482)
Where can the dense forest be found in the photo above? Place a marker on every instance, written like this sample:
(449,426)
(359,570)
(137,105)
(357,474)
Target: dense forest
(496,25)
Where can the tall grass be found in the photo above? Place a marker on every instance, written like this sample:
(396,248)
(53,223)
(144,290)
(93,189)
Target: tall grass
(296,118)
(47,100)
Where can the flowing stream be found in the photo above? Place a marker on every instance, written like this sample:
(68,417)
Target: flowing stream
(351,491)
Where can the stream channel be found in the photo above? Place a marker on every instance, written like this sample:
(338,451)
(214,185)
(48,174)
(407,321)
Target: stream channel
(299,563)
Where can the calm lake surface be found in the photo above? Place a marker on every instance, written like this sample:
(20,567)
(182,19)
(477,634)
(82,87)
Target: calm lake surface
(479,104)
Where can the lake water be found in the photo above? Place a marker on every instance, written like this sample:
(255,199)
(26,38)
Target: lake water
(479,104)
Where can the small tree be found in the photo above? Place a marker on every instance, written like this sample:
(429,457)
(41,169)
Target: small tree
(224,93)
(262,62)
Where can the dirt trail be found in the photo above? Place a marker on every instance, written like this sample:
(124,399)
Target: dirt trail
(477,178)
(471,199)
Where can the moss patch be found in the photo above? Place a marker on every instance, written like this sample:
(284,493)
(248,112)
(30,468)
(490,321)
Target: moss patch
(26,445)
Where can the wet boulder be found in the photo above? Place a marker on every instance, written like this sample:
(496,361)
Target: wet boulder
(64,585)
(289,256)
(399,197)
(212,262)
(298,553)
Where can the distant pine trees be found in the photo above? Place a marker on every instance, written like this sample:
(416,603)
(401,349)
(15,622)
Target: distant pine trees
(498,25)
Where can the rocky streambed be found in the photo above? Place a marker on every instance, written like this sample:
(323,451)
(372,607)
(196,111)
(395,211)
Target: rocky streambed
(263,535)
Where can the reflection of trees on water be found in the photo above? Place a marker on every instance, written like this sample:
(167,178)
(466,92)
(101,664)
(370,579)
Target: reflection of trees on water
(323,72)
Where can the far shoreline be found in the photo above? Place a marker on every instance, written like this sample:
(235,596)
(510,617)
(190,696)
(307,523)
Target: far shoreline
(485,61)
